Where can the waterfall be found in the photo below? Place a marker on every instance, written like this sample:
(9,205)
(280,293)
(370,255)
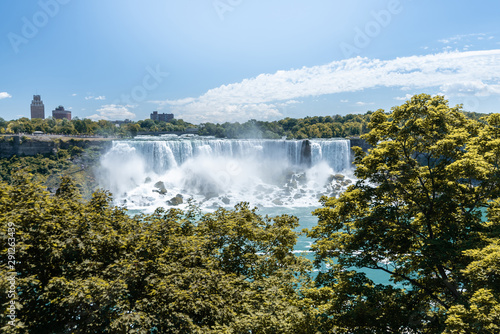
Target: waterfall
(221,171)
(162,155)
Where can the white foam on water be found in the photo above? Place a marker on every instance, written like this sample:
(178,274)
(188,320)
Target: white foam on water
(223,172)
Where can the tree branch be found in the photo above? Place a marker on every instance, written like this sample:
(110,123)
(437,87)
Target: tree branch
(414,282)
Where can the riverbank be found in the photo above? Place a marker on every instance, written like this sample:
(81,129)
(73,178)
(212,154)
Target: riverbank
(31,145)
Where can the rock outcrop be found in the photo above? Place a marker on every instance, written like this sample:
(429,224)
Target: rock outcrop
(160,188)
(11,145)
(174,201)
(305,153)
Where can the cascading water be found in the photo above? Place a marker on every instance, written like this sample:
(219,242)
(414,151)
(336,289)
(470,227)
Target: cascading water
(149,172)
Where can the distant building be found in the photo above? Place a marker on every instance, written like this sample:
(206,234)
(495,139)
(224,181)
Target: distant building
(161,117)
(37,107)
(60,113)
(120,123)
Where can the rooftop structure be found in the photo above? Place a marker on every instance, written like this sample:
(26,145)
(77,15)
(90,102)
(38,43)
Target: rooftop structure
(161,117)
(60,113)
(37,107)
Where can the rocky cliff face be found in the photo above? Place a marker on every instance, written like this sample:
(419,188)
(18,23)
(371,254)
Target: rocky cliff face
(305,153)
(360,143)
(24,146)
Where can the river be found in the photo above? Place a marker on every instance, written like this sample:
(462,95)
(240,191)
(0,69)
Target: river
(277,176)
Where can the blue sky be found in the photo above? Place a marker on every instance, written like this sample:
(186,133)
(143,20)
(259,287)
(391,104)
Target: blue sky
(233,60)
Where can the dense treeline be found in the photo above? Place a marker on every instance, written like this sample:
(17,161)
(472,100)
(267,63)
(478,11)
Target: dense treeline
(88,127)
(88,267)
(47,169)
(309,127)
(351,125)
(417,213)
(291,128)
(425,210)
(76,157)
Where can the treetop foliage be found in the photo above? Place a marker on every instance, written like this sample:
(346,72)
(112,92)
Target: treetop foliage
(425,210)
(88,267)
(88,127)
(335,126)
(416,213)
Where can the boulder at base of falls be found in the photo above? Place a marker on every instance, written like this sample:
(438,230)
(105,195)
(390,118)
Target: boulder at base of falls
(346,182)
(336,177)
(286,192)
(147,180)
(301,178)
(178,199)
(214,206)
(210,195)
(261,189)
(225,200)
(160,188)
(277,202)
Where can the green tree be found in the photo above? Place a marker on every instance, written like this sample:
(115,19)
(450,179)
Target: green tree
(80,126)
(416,208)
(480,313)
(88,267)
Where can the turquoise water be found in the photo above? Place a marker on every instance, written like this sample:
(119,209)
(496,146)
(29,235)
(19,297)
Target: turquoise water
(303,246)
(275,175)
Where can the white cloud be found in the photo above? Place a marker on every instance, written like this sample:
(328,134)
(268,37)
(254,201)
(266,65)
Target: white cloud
(4,95)
(457,38)
(259,97)
(344,101)
(98,98)
(404,98)
(179,102)
(468,88)
(360,103)
(74,94)
(287,103)
(113,112)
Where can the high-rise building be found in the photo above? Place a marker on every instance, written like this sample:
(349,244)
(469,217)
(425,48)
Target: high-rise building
(60,113)
(37,107)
